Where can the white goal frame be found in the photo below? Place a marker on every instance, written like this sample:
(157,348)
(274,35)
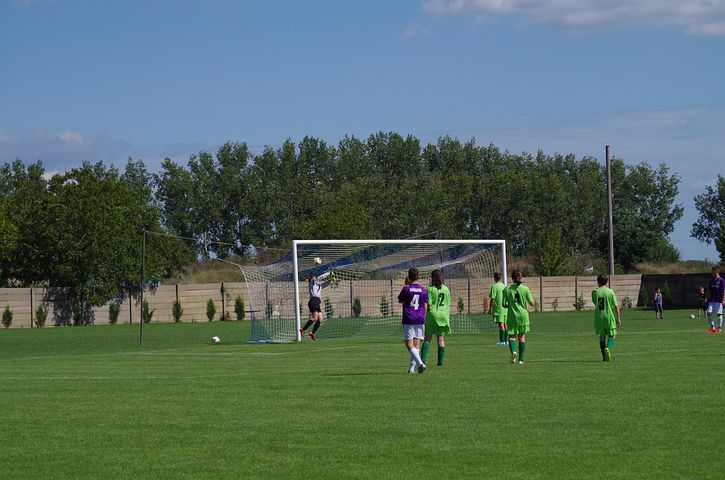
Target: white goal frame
(296,243)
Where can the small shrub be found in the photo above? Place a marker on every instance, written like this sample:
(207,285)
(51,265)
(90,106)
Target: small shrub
(385,309)
(555,304)
(666,297)
(7,317)
(41,315)
(177,311)
(210,309)
(579,303)
(329,308)
(356,307)
(643,295)
(146,313)
(239,307)
(461,306)
(626,302)
(114,309)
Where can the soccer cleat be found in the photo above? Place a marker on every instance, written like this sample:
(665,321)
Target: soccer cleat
(302,333)
(521,362)
(313,337)
(718,330)
(712,330)
(411,372)
(607,354)
(514,357)
(421,368)
(439,364)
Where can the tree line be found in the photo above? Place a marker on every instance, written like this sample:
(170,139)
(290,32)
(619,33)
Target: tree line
(82,229)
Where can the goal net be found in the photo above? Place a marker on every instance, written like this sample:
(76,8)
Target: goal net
(361,280)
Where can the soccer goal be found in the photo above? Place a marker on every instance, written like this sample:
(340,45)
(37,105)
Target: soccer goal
(362,282)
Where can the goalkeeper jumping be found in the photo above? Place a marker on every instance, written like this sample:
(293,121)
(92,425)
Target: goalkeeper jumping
(315,285)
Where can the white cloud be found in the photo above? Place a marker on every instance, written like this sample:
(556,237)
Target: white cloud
(702,17)
(414,30)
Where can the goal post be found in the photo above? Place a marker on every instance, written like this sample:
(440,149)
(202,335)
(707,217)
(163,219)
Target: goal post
(362,279)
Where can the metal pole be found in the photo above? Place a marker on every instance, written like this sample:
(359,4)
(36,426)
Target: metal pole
(610,223)
(143,276)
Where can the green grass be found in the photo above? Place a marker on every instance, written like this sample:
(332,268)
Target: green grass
(89,403)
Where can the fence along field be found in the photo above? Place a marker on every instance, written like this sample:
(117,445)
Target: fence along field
(194,297)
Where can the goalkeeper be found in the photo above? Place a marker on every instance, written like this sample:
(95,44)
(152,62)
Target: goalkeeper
(315,285)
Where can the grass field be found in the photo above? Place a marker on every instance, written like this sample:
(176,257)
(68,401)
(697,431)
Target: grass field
(89,403)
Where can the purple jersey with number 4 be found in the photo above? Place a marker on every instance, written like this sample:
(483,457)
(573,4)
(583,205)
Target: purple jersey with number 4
(413,297)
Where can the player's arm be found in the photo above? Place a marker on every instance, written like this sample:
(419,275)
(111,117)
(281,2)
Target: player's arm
(617,312)
(401,296)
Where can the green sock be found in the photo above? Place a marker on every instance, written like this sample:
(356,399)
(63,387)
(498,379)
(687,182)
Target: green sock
(512,345)
(424,351)
(502,334)
(441,354)
(610,343)
(522,349)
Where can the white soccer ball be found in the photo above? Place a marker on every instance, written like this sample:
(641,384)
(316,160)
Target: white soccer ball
(692,315)
(317,260)
(215,340)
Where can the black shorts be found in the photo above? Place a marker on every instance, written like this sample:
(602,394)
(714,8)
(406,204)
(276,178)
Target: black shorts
(314,305)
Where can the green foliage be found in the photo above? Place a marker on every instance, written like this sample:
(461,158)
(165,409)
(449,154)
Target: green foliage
(210,309)
(356,307)
(579,302)
(626,302)
(666,298)
(146,314)
(41,315)
(114,309)
(239,308)
(461,306)
(553,259)
(643,295)
(7,317)
(177,311)
(384,308)
(710,224)
(329,308)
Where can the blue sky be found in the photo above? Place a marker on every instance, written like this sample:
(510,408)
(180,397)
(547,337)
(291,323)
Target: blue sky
(105,80)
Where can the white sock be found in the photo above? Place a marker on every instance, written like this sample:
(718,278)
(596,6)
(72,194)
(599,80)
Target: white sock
(416,356)
(719,319)
(712,322)
(411,365)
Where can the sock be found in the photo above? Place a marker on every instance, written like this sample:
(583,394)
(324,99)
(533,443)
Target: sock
(307,325)
(522,349)
(719,317)
(512,345)
(441,354)
(502,336)
(424,351)
(411,364)
(602,346)
(416,356)
(712,322)
(317,325)
(610,343)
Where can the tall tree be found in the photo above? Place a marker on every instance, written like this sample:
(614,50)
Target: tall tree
(710,224)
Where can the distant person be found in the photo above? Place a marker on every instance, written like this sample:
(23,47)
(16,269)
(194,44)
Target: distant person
(516,298)
(701,302)
(606,316)
(415,305)
(659,311)
(495,307)
(438,318)
(716,300)
(315,285)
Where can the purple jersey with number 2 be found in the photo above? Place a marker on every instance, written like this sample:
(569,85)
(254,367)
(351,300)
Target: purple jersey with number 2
(413,297)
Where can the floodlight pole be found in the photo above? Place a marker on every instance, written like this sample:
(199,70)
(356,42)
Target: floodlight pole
(143,277)
(610,223)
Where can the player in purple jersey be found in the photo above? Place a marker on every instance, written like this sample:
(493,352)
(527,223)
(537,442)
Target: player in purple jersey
(414,298)
(716,300)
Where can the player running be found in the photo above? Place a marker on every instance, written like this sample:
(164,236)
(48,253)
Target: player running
(606,316)
(438,318)
(716,300)
(516,297)
(415,305)
(495,306)
(315,285)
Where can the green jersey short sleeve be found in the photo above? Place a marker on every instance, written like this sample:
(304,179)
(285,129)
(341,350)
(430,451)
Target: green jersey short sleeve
(516,297)
(439,302)
(605,305)
(496,296)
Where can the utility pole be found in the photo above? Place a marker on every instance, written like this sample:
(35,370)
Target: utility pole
(610,223)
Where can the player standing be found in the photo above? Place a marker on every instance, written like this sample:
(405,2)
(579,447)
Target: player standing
(315,285)
(495,306)
(516,297)
(716,300)
(438,318)
(415,305)
(606,316)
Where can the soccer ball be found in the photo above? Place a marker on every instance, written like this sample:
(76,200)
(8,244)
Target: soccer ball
(317,260)
(692,316)
(215,340)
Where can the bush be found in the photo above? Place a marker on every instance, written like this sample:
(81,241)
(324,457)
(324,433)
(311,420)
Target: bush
(146,314)
(579,303)
(239,307)
(555,304)
(41,315)
(626,302)
(643,295)
(210,309)
(666,297)
(270,309)
(177,311)
(461,306)
(329,308)
(385,309)
(114,310)
(7,317)
(356,307)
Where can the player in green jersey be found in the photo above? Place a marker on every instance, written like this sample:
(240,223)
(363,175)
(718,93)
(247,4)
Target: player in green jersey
(606,316)
(516,297)
(438,318)
(495,307)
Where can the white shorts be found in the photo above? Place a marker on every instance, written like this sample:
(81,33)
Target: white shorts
(413,331)
(714,307)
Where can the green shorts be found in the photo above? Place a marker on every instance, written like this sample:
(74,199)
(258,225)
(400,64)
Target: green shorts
(435,329)
(518,327)
(605,330)
(498,318)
